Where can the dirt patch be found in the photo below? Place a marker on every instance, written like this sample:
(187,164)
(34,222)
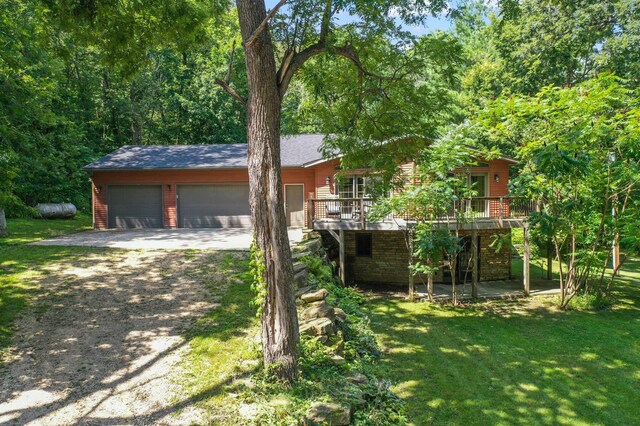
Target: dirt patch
(104,344)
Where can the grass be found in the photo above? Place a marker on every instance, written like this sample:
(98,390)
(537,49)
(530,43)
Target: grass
(225,373)
(24,231)
(223,348)
(22,265)
(515,362)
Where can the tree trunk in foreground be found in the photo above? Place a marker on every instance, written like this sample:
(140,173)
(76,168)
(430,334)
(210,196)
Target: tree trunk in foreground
(280,333)
(3,224)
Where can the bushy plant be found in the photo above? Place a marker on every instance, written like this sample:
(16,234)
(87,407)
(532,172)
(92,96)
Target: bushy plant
(321,378)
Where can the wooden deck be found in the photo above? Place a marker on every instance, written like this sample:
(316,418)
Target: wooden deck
(479,213)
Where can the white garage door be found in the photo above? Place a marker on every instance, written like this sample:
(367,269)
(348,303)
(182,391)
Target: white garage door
(214,206)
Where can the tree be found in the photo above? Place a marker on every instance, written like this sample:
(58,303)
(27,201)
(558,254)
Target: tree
(305,31)
(7,173)
(296,34)
(439,189)
(581,159)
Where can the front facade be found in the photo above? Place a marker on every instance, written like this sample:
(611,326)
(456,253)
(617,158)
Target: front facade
(206,186)
(200,186)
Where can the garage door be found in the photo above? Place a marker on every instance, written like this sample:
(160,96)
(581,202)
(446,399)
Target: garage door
(214,206)
(135,206)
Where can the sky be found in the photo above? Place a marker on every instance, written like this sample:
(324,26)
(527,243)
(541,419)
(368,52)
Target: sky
(432,24)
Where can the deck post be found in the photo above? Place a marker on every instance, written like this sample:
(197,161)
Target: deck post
(310,212)
(342,260)
(549,261)
(474,263)
(410,266)
(525,263)
(362,219)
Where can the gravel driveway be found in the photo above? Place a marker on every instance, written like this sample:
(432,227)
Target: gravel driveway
(104,344)
(204,239)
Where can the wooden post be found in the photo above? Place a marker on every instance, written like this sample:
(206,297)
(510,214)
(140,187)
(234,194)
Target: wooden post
(527,258)
(411,278)
(474,263)
(362,223)
(549,261)
(430,281)
(342,260)
(616,255)
(310,212)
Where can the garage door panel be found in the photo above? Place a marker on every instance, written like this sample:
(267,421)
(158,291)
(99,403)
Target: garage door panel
(214,206)
(135,206)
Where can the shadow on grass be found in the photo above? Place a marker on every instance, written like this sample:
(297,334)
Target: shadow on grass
(93,332)
(514,362)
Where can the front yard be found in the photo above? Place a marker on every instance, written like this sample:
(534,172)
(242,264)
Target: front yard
(98,335)
(104,338)
(514,362)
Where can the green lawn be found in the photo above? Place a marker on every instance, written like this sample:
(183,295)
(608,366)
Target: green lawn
(223,348)
(23,231)
(22,265)
(515,362)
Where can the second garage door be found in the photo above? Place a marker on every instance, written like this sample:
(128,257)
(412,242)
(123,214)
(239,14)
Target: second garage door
(214,206)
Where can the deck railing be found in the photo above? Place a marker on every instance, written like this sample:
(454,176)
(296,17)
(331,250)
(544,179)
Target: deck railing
(478,208)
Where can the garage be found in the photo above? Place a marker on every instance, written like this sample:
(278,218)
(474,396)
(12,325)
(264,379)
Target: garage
(135,206)
(213,206)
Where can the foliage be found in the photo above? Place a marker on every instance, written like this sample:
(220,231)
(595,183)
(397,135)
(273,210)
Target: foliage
(63,100)
(581,160)
(384,117)
(258,283)
(526,45)
(321,378)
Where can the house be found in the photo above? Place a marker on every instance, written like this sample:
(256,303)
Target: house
(194,186)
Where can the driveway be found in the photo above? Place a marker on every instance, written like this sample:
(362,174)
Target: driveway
(202,239)
(104,343)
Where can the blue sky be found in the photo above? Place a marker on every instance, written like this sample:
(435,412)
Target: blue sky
(432,24)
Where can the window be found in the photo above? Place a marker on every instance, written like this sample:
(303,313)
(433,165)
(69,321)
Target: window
(355,186)
(479,184)
(352,187)
(364,245)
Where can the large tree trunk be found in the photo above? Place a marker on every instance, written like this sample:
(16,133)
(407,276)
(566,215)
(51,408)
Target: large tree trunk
(279,318)
(3,223)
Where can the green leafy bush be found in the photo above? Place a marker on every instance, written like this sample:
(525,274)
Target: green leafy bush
(321,378)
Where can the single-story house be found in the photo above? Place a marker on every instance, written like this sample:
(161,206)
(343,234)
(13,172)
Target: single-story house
(196,186)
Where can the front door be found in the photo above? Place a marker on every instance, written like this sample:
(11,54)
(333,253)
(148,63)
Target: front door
(294,205)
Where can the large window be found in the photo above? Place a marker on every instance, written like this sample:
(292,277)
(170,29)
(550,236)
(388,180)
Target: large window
(352,187)
(479,184)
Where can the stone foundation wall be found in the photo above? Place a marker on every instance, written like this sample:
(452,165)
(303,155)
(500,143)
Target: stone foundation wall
(390,257)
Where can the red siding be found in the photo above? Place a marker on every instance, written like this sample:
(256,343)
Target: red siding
(170,178)
(314,180)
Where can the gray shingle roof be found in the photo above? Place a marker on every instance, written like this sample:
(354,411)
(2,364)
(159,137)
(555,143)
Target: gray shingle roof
(295,151)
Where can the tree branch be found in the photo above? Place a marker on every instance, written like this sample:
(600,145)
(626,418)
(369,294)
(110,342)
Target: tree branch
(252,38)
(349,52)
(231,91)
(227,78)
